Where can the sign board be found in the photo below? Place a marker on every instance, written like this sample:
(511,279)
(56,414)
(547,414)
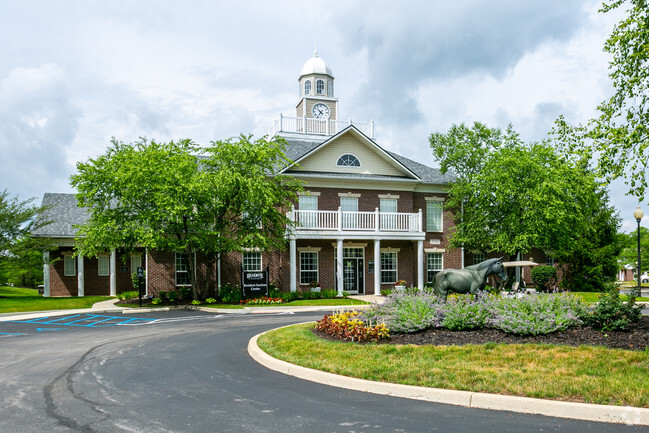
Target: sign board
(123,268)
(254,283)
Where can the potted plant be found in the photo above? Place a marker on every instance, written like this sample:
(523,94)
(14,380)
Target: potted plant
(315,287)
(400,286)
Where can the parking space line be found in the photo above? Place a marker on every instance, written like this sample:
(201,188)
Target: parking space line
(87,320)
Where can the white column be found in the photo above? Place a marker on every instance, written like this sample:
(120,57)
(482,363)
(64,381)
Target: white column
(46,273)
(218,273)
(339,267)
(293,264)
(80,277)
(146,272)
(376,219)
(113,273)
(420,264)
(377,267)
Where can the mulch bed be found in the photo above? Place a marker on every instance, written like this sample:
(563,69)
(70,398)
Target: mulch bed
(636,338)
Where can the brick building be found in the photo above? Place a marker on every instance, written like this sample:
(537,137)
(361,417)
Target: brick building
(368,218)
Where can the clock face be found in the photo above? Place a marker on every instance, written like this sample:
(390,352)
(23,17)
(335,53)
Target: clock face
(320,111)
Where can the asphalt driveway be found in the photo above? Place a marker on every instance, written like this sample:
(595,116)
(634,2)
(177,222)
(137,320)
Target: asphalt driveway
(189,371)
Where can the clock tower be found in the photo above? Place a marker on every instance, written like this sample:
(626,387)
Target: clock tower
(316,84)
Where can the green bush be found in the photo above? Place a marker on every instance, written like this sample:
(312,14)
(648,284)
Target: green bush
(328,293)
(611,314)
(230,294)
(462,313)
(184,292)
(131,294)
(289,296)
(544,277)
(536,315)
(162,295)
(274,293)
(311,295)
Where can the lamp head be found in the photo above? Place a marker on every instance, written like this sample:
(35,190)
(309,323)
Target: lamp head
(638,214)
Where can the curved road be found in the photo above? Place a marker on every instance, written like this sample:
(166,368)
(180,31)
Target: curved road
(186,371)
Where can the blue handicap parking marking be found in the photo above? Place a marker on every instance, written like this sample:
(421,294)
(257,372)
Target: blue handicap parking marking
(48,329)
(87,321)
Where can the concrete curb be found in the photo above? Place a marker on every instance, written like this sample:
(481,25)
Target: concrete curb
(580,411)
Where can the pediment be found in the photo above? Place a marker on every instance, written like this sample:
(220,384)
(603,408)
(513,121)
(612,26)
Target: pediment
(352,146)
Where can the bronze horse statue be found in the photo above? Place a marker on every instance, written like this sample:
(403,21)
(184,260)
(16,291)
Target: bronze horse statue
(471,279)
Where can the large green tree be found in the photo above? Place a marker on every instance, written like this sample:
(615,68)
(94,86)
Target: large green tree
(617,140)
(511,196)
(161,196)
(21,260)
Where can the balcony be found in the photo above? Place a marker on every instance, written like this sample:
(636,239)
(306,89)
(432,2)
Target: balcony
(362,223)
(327,127)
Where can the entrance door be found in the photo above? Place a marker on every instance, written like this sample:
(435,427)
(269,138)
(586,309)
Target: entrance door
(353,270)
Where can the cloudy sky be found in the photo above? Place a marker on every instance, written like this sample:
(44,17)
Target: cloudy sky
(75,74)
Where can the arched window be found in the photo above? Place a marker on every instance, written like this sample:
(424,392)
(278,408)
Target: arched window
(319,87)
(307,87)
(348,160)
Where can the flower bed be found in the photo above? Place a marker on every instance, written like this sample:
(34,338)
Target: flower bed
(529,315)
(264,300)
(347,326)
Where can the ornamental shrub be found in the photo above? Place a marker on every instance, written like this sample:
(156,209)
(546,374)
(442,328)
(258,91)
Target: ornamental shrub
(230,294)
(611,314)
(545,278)
(132,294)
(535,315)
(328,293)
(406,313)
(462,312)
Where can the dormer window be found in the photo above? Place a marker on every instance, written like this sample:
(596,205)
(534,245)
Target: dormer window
(319,87)
(307,87)
(348,160)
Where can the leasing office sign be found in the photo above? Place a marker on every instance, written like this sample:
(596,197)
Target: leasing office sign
(254,283)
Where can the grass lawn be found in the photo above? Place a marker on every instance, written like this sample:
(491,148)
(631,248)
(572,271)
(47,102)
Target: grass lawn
(591,297)
(15,299)
(584,374)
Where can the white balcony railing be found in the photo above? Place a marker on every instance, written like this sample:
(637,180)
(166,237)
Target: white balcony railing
(308,125)
(329,220)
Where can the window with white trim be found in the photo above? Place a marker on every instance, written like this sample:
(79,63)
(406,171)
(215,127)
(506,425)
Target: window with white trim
(308,203)
(182,269)
(388,209)
(348,160)
(433,266)
(388,268)
(349,208)
(251,261)
(136,262)
(69,266)
(319,87)
(103,265)
(434,216)
(307,87)
(478,258)
(308,267)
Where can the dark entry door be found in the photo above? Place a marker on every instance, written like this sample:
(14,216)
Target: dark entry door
(353,275)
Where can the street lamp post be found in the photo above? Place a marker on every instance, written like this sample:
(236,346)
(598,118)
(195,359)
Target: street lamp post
(638,217)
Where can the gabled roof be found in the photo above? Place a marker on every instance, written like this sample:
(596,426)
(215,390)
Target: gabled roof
(64,213)
(300,147)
